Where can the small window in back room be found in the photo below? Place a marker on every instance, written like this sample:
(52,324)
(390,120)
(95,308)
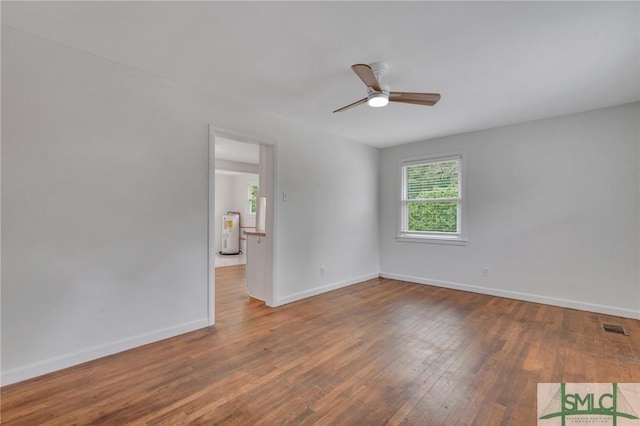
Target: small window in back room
(431,199)
(252,195)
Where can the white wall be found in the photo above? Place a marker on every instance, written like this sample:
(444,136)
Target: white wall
(552,211)
(241,204)
(104,197)
(330,218)
(240,199)
(104,205)
(225,201)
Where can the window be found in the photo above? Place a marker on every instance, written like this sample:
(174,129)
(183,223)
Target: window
(252,196)
(431,200)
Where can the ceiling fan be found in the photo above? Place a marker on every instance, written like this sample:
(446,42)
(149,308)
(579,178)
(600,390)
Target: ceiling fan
(378,94)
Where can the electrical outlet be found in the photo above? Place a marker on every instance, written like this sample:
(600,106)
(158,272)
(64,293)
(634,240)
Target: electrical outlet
(323,270)
(485,271)
(285,196)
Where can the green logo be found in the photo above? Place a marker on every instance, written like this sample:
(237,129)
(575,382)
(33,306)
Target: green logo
(584,401)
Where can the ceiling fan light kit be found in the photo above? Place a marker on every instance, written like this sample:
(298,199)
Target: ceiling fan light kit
(379,95)
(378,99)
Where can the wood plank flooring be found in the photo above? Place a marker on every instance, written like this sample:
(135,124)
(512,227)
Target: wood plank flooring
(379,352)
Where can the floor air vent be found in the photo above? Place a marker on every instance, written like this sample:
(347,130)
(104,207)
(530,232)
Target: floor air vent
(612,328)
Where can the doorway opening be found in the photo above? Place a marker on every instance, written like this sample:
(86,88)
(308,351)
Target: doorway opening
(241,211)
(236,188)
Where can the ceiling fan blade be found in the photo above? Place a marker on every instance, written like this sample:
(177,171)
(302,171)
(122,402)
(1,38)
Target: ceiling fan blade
(367,76)
(355,104)
(428,99)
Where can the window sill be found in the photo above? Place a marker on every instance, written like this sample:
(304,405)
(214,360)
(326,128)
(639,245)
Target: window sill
(432,240)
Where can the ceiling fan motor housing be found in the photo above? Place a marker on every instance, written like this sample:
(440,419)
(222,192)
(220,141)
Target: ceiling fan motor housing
(379,69)
(375,98)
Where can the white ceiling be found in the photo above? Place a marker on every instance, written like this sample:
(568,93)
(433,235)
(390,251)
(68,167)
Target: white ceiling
(227,149)
(495,63)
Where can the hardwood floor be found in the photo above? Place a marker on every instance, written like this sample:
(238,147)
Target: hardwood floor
(379,352)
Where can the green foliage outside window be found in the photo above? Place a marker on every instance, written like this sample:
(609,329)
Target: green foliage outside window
(430,183)
(253,198)
(432,217)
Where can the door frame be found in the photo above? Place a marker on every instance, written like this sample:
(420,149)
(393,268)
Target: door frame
(273,299)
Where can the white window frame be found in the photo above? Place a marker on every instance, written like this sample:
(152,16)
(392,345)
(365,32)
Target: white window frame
(458,238)
(249,199)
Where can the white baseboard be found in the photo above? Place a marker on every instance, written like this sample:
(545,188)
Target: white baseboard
(319,290)
(67,360)
(582,306)
(74,358)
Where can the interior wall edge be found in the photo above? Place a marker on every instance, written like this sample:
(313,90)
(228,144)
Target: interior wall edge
(527,297)
(325,289)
